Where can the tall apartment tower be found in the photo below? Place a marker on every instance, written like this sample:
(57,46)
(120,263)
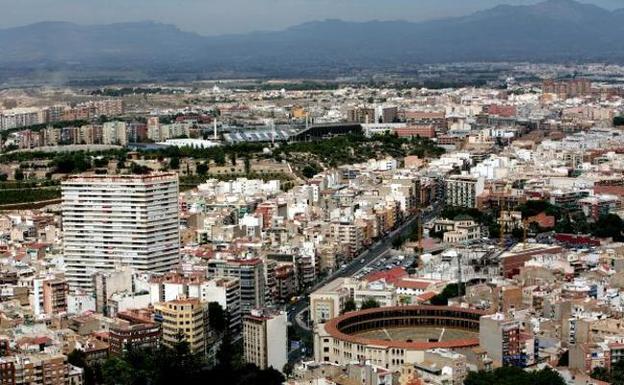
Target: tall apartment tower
(115,221)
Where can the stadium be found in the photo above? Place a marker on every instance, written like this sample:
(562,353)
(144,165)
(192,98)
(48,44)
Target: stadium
(391,336)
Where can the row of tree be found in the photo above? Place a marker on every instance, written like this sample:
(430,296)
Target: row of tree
(515,376)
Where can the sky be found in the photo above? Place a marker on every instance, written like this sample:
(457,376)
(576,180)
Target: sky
(214,17)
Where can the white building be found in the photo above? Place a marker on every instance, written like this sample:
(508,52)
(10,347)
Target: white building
(463,190)
(115,133)
(265,339)
(113,221)
(21,117)
(223,290)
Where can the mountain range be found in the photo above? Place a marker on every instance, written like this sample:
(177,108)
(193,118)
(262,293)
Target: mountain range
(550,31)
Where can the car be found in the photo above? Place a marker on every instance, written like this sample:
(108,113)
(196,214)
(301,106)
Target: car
(362,260)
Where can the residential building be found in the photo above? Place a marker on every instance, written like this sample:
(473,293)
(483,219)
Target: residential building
(463,190)
(115,221)
(499,336)
(265,339)
(186,318)
(252,280)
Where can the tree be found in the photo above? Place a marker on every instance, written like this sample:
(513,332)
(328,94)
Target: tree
(615,376)
(233,158)
(174,163)
(601,373)
(3,177)
(349,306)
(309,171)
(450,291)
(92,374)
(514,376)
(100,162)
(202,168)
(225,354)
(517,233)
(247,165)
(216,317)
(369,303)
(609,226)
(398,242)
(219,157)
(136,168)
(117,371)
(71,162)
(618,121)
(19,174)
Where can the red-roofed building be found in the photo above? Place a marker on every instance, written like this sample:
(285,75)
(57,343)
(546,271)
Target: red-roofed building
(425,297)
(543,220)
(413,286)
(390,276)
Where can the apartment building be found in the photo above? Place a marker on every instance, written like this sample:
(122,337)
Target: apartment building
(115,221)
(115,133)
(185,317)
(265,339)
(252,279)
(130,335)
(327,301)
(21,117)
(463,190)
(223,290)
(49,295)
(361,115)
(153,129)
(348,235)
(567,88)
(499,336)
(49,369)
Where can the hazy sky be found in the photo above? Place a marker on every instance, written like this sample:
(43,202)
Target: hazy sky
(211,17)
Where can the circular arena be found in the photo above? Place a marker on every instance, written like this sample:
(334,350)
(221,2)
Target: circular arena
(408,327)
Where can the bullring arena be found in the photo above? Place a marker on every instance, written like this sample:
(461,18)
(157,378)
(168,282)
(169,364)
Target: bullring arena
(392,336)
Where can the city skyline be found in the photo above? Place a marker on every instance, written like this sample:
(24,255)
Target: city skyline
(289,192)
(225,17)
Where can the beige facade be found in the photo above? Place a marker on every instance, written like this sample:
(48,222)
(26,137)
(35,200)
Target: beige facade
(265,339)
(183,317)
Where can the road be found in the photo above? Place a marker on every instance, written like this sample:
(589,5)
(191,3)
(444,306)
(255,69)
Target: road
(366,258)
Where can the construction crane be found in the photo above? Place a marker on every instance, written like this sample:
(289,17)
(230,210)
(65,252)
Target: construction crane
(500,224)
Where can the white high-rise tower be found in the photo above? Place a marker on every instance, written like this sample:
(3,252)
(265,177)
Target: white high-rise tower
(124,220)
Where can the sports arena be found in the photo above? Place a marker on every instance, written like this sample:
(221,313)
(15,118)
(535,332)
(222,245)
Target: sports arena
(391,336)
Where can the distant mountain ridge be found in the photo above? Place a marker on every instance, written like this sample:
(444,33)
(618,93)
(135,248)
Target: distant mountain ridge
(553,30)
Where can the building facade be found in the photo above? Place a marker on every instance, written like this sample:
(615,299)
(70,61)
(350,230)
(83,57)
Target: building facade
(185,318)
(265,339)
(116,221)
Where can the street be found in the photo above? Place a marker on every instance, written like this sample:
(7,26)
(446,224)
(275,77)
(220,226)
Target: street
(368,257)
